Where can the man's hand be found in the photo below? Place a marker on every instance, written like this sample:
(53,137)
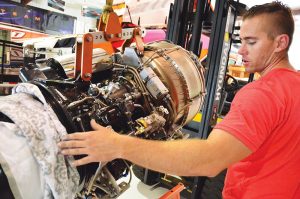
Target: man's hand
(100,145)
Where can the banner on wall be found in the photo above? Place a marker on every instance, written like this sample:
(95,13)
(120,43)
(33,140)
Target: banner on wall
(21,16)
(57,4)
(141,10)
(21,34)
(92,12)
(35,19)
(57,23)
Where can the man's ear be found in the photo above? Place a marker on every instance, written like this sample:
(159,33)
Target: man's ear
(282,42)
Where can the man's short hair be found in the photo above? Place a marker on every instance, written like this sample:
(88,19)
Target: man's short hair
(280,16)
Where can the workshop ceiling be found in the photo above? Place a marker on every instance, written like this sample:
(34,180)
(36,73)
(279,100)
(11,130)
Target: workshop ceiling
(100,3)
(291,3)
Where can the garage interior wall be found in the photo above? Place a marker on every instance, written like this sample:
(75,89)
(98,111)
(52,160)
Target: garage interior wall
(82,25)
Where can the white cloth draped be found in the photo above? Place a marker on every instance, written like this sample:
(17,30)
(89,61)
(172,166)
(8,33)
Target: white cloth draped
(28,151)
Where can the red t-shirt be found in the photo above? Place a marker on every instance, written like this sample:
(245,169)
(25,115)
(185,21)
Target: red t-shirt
(265,116)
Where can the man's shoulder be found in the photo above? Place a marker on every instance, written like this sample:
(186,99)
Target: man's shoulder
(279,74)
(259,89)
(258,84)
(275,79)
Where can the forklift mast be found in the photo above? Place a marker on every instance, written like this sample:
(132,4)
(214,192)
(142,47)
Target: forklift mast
(183,24)
(218,54)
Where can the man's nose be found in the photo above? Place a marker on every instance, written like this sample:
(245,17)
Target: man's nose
(242,50)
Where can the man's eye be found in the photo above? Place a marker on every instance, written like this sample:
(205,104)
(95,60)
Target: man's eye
(251,42)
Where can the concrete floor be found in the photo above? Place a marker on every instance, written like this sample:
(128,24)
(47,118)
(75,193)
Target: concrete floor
(139,190)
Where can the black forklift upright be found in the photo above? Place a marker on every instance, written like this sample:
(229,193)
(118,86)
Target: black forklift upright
(218,54)
(185,25)
(176,20)
(195,43)
(184,29)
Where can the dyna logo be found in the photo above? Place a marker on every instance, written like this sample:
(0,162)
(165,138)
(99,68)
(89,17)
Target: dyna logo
(17,35)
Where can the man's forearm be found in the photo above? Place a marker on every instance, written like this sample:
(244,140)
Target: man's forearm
(184,157)
(193,157)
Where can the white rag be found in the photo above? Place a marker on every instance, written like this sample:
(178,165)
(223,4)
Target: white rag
(33,142)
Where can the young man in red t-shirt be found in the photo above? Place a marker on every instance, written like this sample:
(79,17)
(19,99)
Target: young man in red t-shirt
(259,139)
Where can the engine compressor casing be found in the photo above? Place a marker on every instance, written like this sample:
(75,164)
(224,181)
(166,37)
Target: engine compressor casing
(150,96)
